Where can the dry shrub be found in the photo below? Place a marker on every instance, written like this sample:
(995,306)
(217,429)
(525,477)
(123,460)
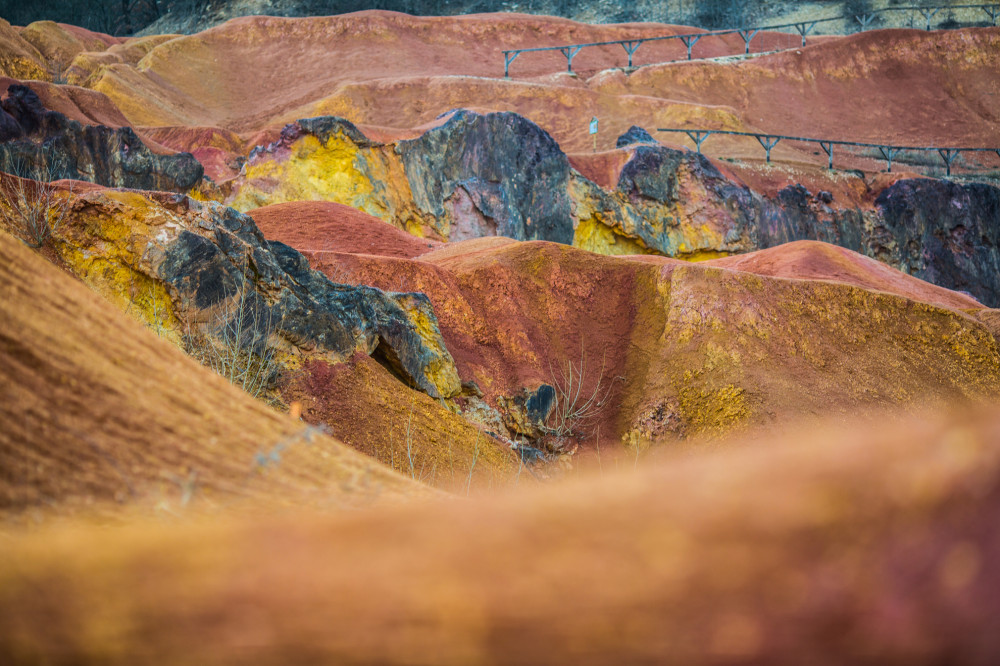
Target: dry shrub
(32,210)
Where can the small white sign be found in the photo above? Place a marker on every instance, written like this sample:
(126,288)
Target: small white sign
(593,125)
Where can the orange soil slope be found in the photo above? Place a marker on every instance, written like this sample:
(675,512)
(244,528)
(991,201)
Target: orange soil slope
(250,70)
(18,57)
(870,545)
(387,70)
(396,72)
(103,242)
(903,87)
(318,226)
(59,43)
(717,348)
(98,410)
(899,87)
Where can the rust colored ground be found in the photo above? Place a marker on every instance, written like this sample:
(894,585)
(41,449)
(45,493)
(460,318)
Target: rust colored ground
(812,260)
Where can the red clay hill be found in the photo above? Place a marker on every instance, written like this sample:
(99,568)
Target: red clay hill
(680,349)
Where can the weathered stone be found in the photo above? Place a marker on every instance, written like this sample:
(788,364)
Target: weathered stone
(525,414)
(513,172)
(943,232)
(634,134)
(940,231)
(46,145)
(186,263)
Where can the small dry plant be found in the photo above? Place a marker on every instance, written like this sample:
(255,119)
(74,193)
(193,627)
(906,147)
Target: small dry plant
(33,210)
(233,348)
(574,405)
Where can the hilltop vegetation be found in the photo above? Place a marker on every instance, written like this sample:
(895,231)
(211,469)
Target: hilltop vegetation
(128,17)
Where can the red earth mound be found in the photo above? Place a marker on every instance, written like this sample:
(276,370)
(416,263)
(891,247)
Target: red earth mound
(868,544)
(903,87)
(282,63)
(321,226)
(812,260)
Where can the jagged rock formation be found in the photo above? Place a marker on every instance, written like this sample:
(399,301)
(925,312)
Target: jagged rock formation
(190,266)
(46,145)
(497,174)
(500,174)
(944,232)
(669,202)
(475,175)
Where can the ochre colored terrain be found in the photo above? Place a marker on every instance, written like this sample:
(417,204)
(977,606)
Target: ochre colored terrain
(395,71)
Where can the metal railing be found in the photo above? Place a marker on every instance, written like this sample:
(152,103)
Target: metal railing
(570,51)
(888,153)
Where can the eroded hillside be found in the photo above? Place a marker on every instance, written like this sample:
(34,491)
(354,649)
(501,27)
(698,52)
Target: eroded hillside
(424,280)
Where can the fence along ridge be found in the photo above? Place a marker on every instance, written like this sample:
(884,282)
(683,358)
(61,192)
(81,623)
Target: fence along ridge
(769,141)
(690,39)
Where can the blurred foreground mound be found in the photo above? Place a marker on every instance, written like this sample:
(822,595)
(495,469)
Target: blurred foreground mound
(865,545)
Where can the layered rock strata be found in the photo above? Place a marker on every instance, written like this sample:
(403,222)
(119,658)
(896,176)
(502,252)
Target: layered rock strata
(189,267)
(41,144)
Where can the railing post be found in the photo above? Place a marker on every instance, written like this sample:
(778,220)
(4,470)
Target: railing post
(828,149)
(570,53)
(748,35)
(630,49)
(508,57)
(689,41)
(928,14)
(768,142)
(888,153)
(804,29)
(948,155)
(865,20)
(992,11)
(698,136)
